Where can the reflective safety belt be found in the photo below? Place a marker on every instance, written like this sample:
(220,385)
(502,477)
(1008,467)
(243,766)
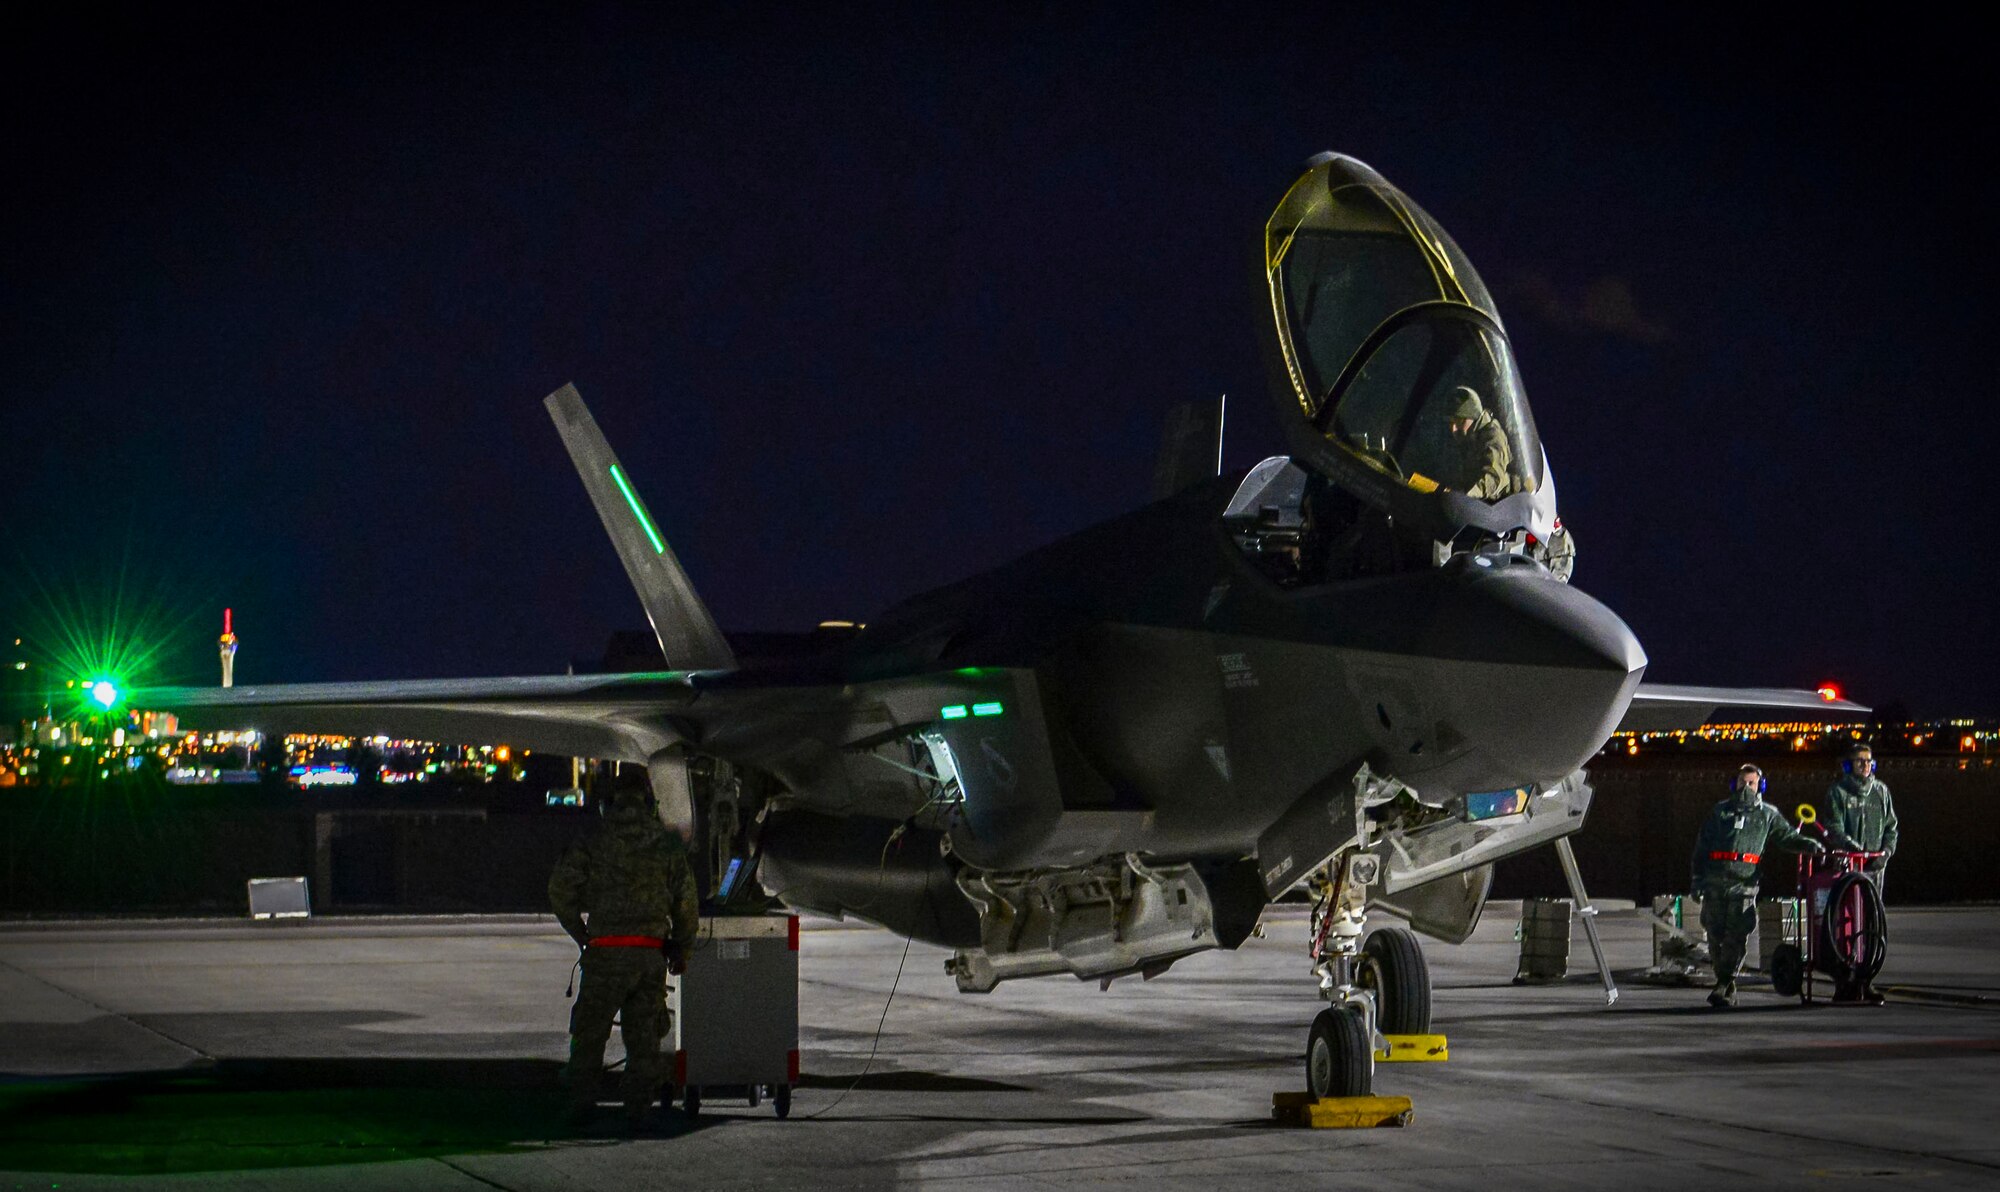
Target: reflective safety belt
(1746,858)
(626,941)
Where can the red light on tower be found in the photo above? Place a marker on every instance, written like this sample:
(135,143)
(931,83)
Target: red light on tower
(1829,692)
(226,647)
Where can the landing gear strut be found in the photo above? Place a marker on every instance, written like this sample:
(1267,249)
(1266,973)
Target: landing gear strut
(1340,1050)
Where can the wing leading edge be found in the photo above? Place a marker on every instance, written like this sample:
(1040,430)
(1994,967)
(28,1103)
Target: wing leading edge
(1664,707)
(622,717)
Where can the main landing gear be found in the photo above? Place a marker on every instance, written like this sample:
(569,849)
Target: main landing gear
(1378,987)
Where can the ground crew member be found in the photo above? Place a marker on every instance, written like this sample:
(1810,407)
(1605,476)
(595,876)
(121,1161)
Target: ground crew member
(1732,840)
(1480,457)
(1860,815)
(625,892)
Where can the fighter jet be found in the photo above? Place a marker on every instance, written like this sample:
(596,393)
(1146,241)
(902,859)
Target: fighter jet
(1358,669)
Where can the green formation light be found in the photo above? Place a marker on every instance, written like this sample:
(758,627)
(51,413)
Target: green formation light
(638,510)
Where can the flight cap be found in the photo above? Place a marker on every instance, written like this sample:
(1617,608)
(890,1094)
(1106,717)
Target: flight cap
(1465,404)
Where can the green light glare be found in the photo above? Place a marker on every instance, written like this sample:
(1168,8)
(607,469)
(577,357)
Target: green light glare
(992,709)
(638,510)
(104,622)
(955,712)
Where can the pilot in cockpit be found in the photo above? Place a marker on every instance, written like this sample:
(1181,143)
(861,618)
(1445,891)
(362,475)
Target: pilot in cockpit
(1479,463)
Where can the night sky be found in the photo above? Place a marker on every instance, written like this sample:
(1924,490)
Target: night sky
(868,302)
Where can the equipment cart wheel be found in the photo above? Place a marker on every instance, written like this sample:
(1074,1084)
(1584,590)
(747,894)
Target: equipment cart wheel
(756,1095)
(781,1100)
(1788,970)
(1339,1060)
(691,1101)
(1394,970)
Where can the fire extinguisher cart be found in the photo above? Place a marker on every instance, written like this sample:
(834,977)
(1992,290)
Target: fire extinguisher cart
(736,1023)
(1844,937)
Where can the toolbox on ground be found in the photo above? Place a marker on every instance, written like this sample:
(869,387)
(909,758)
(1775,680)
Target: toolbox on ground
(736,1013)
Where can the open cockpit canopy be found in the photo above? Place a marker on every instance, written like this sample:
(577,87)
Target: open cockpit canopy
(1391,345)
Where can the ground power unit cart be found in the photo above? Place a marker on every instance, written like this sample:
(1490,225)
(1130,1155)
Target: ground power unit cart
(737,1024)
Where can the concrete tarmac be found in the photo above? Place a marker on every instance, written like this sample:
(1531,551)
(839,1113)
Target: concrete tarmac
(401,1053)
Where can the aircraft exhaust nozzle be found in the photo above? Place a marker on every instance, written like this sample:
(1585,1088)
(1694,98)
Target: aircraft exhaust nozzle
(1539,673)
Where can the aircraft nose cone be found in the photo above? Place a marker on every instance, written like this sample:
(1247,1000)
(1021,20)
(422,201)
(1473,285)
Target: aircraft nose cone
(1538,673)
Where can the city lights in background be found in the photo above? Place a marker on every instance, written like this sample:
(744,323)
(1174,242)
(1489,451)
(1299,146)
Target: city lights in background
(1961,736)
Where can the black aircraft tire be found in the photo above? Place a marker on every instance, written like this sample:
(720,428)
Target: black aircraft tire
(1393,967)
(781,1100)
(1339,1062)
(1788,970)
(691,1101)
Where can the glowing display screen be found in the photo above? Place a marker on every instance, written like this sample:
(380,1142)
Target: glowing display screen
(1494,804)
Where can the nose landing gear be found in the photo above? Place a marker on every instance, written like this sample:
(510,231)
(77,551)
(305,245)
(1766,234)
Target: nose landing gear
(1377,987)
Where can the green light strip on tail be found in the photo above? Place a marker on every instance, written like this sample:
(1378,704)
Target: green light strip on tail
(638,510)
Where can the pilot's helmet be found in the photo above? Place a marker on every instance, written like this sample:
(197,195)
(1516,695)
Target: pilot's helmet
(1465,404)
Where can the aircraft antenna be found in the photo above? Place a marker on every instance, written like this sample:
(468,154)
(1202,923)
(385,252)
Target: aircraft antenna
(1221,417)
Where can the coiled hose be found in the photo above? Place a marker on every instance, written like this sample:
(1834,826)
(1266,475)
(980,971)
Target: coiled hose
(1835,956)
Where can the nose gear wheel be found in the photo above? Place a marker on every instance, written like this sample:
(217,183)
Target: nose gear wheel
(1394,970)
(1338,1055)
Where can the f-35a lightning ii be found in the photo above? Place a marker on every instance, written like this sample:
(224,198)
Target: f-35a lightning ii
(1358,668)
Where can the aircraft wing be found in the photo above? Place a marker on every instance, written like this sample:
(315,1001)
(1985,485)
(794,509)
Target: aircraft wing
(625,717)
(791,722)
(1664,707)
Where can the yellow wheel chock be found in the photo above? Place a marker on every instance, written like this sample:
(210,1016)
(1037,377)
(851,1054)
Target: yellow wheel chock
(1340,1113)
(1414,1049)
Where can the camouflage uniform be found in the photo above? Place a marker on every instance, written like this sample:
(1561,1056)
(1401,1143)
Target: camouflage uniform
(1482,462)
(631,876)
(1861,816)
(1732,841)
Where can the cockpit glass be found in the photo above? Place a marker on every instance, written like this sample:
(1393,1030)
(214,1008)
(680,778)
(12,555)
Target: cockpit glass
(1384,326)
(1437,403)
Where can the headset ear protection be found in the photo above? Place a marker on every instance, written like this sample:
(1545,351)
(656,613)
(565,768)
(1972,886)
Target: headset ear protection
(1763,783)
(1847,763)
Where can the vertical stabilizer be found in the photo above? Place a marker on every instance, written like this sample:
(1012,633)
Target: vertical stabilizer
(1190,448)
(687,633)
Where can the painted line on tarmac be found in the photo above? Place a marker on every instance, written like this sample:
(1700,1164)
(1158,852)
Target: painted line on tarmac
(1919,995)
